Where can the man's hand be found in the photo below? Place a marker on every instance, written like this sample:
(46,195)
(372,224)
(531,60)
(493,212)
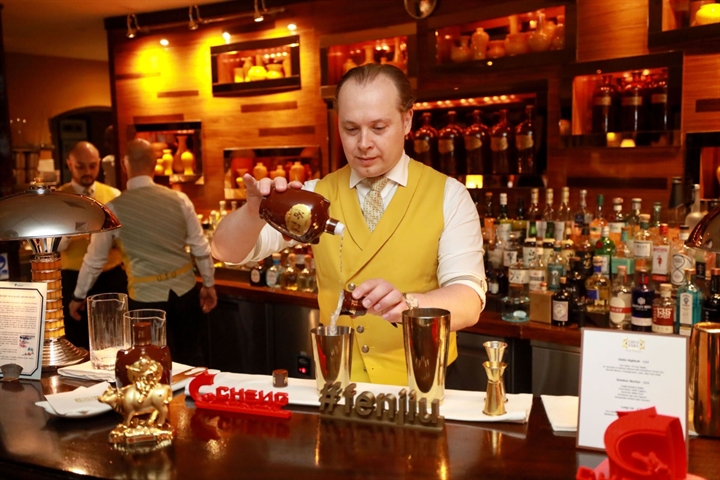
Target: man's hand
(382,299)
(208,299)
(75,307)
(258,189)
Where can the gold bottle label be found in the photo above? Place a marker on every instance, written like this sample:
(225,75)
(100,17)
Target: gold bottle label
(421,146)
(446,145)
(524,142)
(498,144)
(472,143)
(298,219)
(658,98)
(632,101)
(602,101)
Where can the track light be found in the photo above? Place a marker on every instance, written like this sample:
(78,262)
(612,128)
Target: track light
(259,14)
(132,26)
(195,19)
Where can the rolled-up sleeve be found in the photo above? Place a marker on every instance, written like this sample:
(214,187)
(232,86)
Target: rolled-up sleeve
(460,252)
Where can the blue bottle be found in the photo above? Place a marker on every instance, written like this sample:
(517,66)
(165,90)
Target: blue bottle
(689,304)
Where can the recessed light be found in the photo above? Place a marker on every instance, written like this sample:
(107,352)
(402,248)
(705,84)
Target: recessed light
(164,42)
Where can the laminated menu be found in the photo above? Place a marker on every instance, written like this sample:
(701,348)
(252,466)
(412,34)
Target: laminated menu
(22,318)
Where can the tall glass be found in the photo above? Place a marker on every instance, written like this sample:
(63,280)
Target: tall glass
(156,319)
(108,327)
(426,333)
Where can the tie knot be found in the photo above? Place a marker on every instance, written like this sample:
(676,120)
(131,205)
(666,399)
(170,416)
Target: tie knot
(377,183)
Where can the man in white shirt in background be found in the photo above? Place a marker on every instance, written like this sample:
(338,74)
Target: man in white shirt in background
(157,225)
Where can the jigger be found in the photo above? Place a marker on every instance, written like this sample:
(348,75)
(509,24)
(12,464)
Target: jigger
(495,351)
(494,396)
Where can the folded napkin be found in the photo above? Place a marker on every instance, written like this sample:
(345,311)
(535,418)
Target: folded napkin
(562,412)
(81,401)
(87,372)
(457,405)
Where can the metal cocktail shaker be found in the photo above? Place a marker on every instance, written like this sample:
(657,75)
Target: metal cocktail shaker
(426,333)
(705,378)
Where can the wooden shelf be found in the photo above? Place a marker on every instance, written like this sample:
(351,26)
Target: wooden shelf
(258,87)
(647,139)
(532,59)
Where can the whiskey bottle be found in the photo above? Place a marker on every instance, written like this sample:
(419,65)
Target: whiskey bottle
(451,147)
(525,142)
(633,115)
(663,311)
(659,103)
(257,274)
(306,278)
(477,145)
(642,244)
(500,141)
(642,298)
(425,143)
(299,214)
(604,106)
(142,347)
(597,290)
(289,278)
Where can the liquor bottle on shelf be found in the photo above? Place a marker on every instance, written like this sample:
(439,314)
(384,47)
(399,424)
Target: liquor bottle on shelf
(623,255)
(621,301)
(504,222)
(564,218)
(306,277)
(451,147)
(556,268)
(493,248)
(561,305)
(599,221)
(663,311)
(661,256)
(659,103)
(701,271)
(575,277)
(604,101)
(516,305)
(537,273)
(519,223)
(632,110)
(274,273)
(681,258)
(518,274)
(642,244)
(425,143)
(616,222)
(642,298)
(477,145)
(529,251)
(501,138)
(257,274)
(525,142)
(633,221)
(548,248)
(696,211)
(580,217)
(288,278)
(711,305)
(533,212)
(597,290)
(548,215)
(655,222)
(142,347)
(605,249)
(688,310)
(489,210)
(568,249)
(577,305)
(510,253)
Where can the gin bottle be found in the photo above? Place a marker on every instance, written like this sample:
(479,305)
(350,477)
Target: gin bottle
(682,258)
(605,249)
(621,301)
(561,305)
(642,298)
(643,245)
(663,313)
(688,310)
(661,255)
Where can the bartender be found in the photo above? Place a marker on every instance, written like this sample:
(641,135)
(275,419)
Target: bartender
(412,236)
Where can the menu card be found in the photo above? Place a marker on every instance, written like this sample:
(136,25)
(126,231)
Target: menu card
(22,322)
(626,371)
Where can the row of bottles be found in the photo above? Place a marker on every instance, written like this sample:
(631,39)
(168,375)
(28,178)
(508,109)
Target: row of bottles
(287,271)
(477,149)
(638,104)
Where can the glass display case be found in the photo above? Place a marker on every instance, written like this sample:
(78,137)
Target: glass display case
(300,163)
(339,53)
(505,37)
(683,22)
(625,102)
(178,149)
(256,67)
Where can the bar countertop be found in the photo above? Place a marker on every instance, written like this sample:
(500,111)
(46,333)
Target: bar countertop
(218,446)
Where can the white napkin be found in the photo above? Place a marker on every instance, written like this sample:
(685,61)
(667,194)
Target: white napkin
(562,412)
(87,372)
(82,400)
(457,405)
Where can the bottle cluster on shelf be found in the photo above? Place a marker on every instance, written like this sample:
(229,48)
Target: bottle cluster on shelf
(292,269)
(632,102)
(455,149)
(608,266)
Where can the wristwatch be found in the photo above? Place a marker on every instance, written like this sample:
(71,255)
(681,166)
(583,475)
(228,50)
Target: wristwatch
(411,301)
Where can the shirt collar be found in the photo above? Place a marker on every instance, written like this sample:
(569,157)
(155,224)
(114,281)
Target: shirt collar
(79,189)
(398,174)
(139,182)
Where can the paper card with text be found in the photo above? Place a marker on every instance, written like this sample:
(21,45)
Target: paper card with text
(22,326)
(626,371)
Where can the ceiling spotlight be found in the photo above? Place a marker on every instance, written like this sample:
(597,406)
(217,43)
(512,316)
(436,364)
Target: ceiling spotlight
(292,27)
(195,19)
(164,42)
(258,13)
(226,36)
(132,26)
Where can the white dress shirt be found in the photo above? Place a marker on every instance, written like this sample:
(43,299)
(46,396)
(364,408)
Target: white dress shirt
(460,250)
(100,244)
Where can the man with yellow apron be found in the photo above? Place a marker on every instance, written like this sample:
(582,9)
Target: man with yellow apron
(157,224)
(412,235)
(84,165)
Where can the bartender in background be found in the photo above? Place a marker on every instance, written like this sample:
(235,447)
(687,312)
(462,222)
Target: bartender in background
(157,224)
(84,164)
(424,251)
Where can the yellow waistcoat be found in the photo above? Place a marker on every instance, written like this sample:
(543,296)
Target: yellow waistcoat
(403,250)
(72,257)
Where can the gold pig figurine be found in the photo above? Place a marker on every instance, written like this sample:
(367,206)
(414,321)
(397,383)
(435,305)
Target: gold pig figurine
(145,398)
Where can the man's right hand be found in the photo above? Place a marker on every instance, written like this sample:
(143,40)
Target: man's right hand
(256,190)
(75,307)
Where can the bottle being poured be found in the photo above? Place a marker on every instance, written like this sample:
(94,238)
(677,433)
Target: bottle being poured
(299,214)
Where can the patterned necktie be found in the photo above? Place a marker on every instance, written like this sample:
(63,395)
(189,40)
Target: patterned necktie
(87,191)
(373,205)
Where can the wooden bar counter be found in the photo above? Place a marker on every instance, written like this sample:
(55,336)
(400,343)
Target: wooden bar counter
(209,445)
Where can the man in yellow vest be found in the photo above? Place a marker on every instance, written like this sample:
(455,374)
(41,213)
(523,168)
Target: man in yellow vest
(84,164)
(412,236)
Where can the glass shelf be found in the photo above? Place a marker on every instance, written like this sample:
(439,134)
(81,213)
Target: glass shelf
(175,138)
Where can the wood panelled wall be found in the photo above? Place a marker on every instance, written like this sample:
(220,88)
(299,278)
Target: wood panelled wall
(150,80)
